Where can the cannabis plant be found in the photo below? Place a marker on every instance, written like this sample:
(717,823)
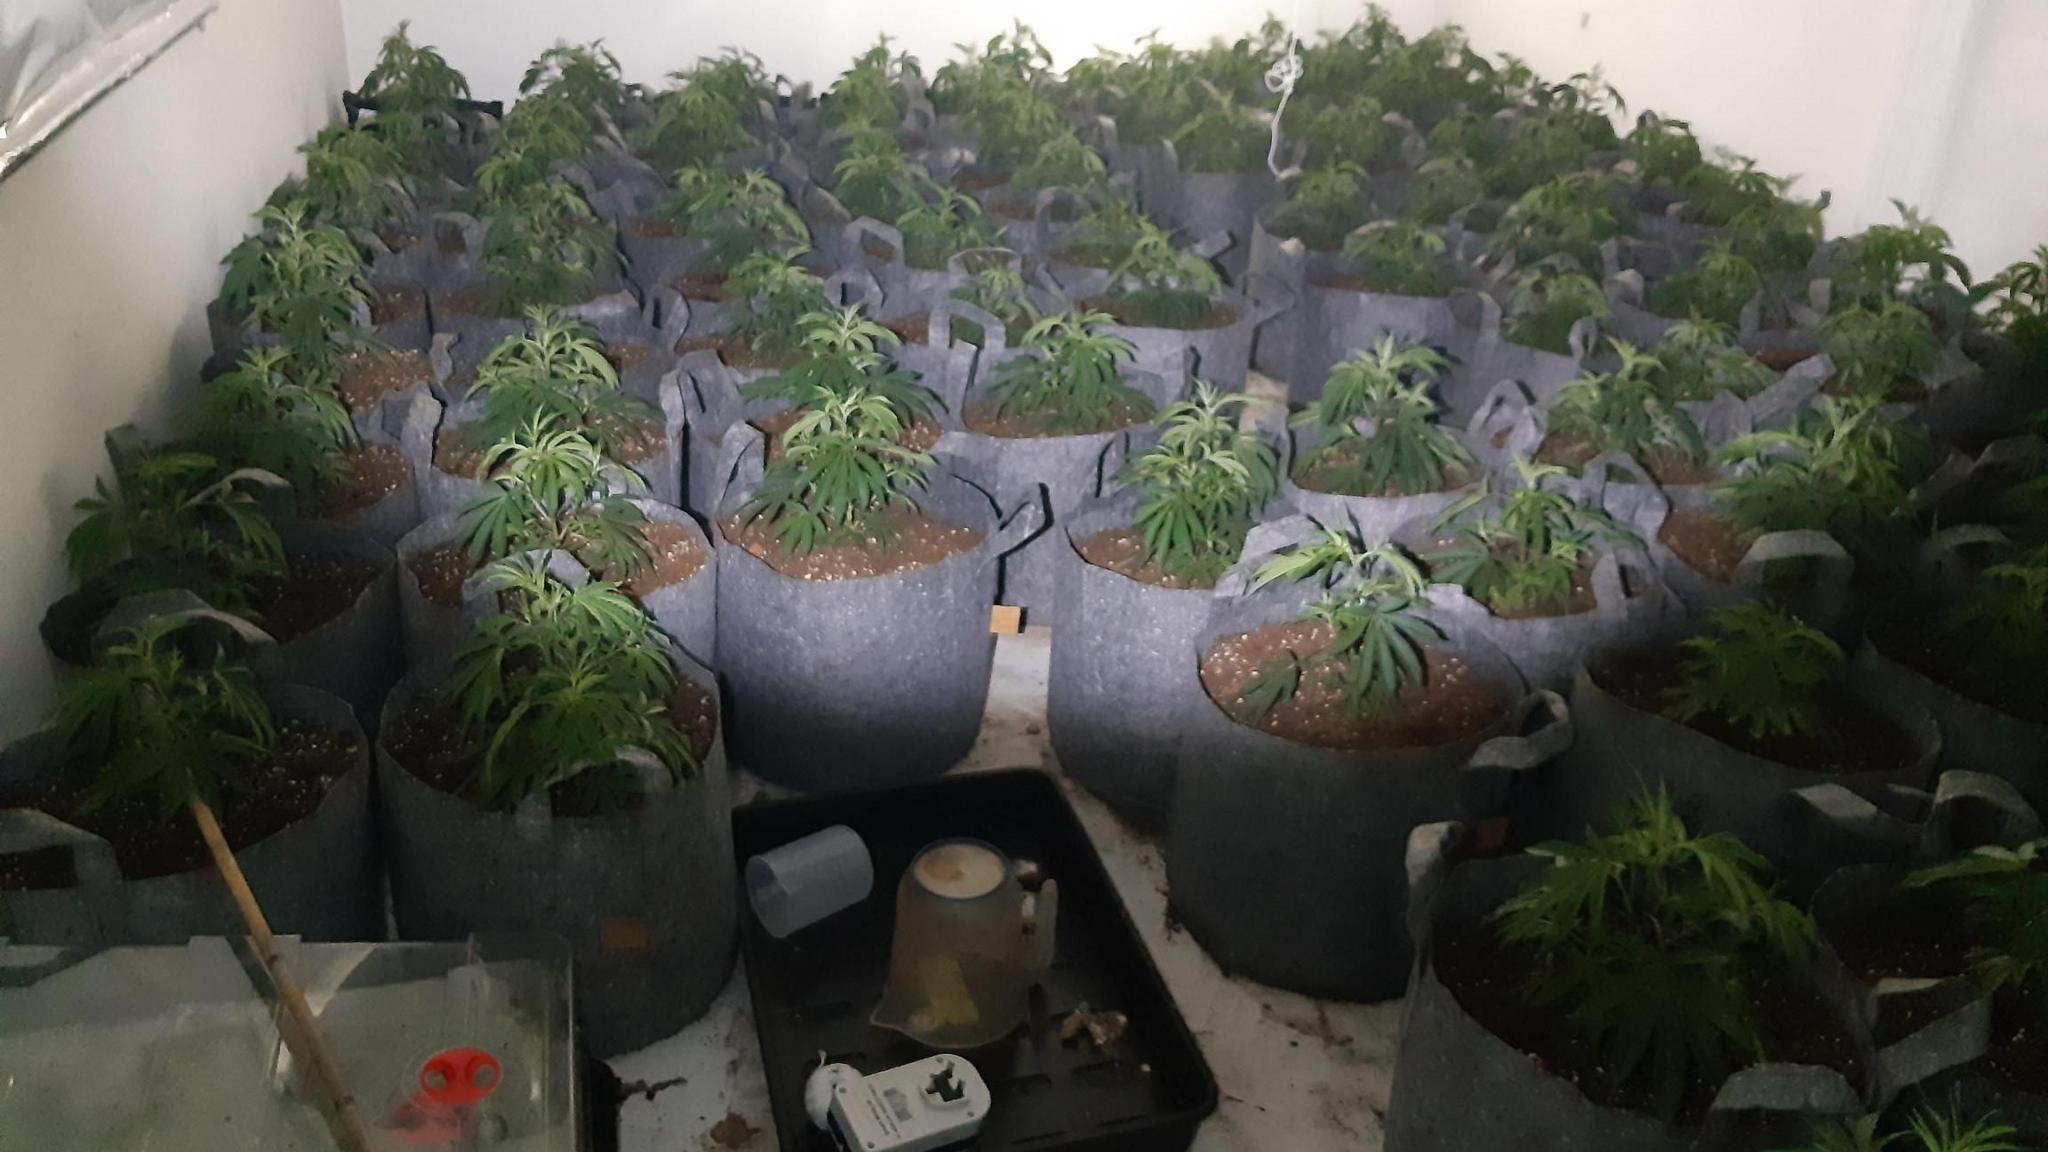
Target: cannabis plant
(874,177)
(177,519)
(1201,487)
(843,353)
(301,281)
(1350,132)
(554,371)
(866,95)
(585,75)
(1444,186)
(1781,236)
(1913,257)
(544,247)
(564,681)
(1699,359)
(693,124)
(1876,348)
(154,714)
(1627,410)
(2005,900)
(738,215)
(1326,205)
(936,230)
(536,138)
(1222,137)
(412,77)
(1062,162)
(776,294)
(1399,258)
(843,465)
(998,289)
(1160,286)
(1734,193)
(1758,669)
(1926,1131)
(1068,379)
(550,488)
(1839,470)
(1566,219)
(1654,941)
(1106,233)
(1717,287)
(355,178)
(1665,151)
(1525,555)
(1010,124)
(1376,424)
(1373,610)
(277,415)
(2005,613)
(2019,305)
(1545,303)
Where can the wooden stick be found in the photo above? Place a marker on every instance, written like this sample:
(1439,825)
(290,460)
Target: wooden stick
(303,1036)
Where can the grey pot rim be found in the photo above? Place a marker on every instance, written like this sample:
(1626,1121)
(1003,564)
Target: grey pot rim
(1872,649)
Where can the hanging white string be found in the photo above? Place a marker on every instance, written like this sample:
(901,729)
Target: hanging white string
(1282,77)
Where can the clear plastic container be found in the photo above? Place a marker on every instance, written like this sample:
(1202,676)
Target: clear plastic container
(804,881)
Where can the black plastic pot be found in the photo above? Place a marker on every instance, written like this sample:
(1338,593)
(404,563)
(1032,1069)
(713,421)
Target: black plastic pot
(1459,1087)
(648,899)
(1285,860)
(838,685)
(317,878)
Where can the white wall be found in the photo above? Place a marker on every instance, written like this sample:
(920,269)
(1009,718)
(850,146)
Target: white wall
(110,240)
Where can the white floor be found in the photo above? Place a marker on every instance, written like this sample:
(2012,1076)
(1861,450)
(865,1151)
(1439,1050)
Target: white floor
(1297,1075)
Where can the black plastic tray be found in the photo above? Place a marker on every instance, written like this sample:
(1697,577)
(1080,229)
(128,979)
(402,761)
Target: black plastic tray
(814,992)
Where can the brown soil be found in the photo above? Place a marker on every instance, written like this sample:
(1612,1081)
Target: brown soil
(637,441)
(374,472)
(1491,983)
(913,329)
(372,374)
(918,541)
(1901,391)
(397,239)
(702,286)
(1780,359)
(1452,704)
(454,457)
(1122,414)
(980,181)
(919,437)
(676,559)
(1122,551)
(1924,937)
(1972,671)
(284,788)
(734,353)
(652,227)
(1853,737)
(317,589)
(395,304)
(1322,475)
(428,742)
(643,441)
(1582,598)
(1709,544)
(1221,315)
(441,571)
(1669,467)
(2018,1054)
(475,300)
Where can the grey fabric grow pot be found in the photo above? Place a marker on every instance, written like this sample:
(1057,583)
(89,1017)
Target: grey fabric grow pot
(430,632)
(317,878)
(1205,203)
(1285,860)
(1122,663)
(1374,519)
(647,899)
(906,291)
(1483,356)
(355,655)
(1221,355)
(1793,816)
(840,685)
(1974,737)
(1631,601)
(1458,1087)
(1063,471)
(404,421)
(613,310)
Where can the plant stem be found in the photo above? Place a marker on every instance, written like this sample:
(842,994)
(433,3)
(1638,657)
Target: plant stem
(303,1034)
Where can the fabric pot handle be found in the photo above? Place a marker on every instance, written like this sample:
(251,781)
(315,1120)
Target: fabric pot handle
(742,457)
(1789,394)
(441,359)
(668,314)
(1624,287)
(856,285)
(1488,778)
(1433,851)
(1836,565)
(868,228)
(1041,214)
(1269,296)
(994,336)
(1941,562)
(1501,408)
(713,389)
(462,224)
(1025,522)
(1973,810)
(675,416)
(1849,818)
(92,858)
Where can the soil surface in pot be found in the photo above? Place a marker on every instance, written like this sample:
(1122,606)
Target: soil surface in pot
(981,418)
(370,375)
(1325,472)
(1452,704)
(652,227)
(1669,467)
(1709,544)
(441,570)
(1582,599)
(626,357)
(1124,312)
(1491,982)
(1782,359)
(1853,736)
(393,305)
(919,437)
(707,285)
(735,353)
(316,588)
(1122,551)
(1974,671)
(428,741)
(637,440)
(915,541)
(279,790)
(1354,282)
(372,472)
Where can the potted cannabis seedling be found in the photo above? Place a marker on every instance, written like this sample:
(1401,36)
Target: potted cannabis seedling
(93,849)
(1332,715)
(1642,988)
(1741,722)
(1628,411)
(419,101)
(1370,453)
(853,590)
(1539,337)
(1056,416)
(1972,657)
(1924,1130)
(766,297)
(927,254)
(701,122)
(1063,164)
(568,775)
(1216,179)
(1134,584)
(1326,205)
(1172,306)
(876,179)
(551,490)
(714,222)
(1539,574)
(298,283)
